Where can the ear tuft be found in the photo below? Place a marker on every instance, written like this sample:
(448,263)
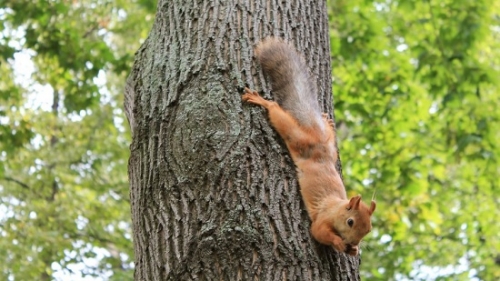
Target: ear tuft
(354,202)
(372,207)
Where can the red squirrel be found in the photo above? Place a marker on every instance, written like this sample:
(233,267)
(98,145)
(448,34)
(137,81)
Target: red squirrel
(310,138)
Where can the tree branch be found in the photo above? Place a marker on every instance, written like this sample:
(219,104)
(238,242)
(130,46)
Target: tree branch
(22,184)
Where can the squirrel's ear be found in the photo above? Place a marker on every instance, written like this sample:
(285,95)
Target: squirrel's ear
(372,207)
(354,202)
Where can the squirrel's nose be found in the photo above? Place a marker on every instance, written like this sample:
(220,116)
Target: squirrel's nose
(352,249)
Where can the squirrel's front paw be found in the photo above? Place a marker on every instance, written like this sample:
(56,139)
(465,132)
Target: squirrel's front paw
(338,244)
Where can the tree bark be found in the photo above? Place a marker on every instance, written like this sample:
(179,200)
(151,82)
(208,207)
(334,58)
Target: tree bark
(213,190)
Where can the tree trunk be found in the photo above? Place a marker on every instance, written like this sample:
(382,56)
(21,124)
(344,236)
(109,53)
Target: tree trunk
(213,190)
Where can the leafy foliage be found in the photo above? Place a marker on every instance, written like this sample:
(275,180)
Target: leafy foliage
(63,142)
(416,92)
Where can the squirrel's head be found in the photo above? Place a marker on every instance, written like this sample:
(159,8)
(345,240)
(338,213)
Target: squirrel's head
(354,223)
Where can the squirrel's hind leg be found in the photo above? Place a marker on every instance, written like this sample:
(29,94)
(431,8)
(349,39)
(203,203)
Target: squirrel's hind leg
(328,121)
(283,122)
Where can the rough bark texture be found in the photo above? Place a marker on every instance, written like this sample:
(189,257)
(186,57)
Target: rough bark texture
(213,190)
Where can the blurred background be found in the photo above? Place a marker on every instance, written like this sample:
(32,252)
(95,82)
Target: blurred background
(416,97)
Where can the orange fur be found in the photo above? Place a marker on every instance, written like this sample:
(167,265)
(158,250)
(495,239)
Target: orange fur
(311,143)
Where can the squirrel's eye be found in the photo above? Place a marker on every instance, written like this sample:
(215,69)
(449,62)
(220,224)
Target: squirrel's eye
(350,222)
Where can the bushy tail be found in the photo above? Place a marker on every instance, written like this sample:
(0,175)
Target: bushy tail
(291,84)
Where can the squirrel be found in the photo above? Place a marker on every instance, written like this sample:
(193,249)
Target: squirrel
(310,138)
